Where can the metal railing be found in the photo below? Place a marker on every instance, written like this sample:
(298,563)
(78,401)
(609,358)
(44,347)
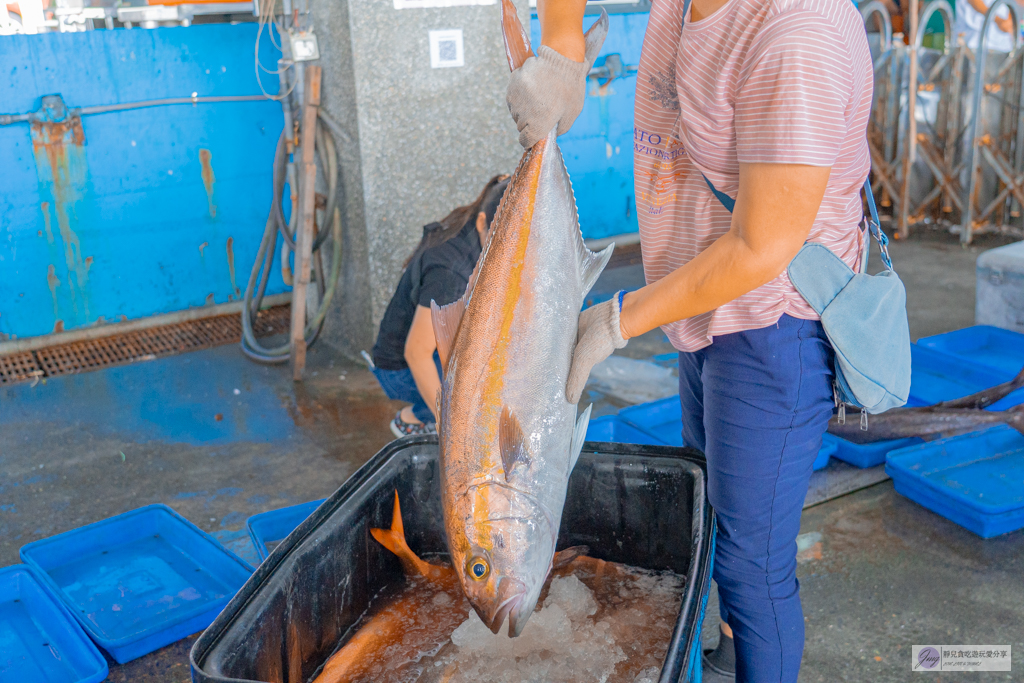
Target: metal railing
(959,162)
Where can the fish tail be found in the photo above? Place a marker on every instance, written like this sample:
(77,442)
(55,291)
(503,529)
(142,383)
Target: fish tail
(1015,417)
(394,540)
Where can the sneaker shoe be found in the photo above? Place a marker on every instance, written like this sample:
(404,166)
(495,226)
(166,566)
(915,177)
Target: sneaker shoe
(400,427)
(720,663)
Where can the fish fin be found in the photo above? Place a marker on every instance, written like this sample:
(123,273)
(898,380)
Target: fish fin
(394,540)
(579,435)
(512,442)
(517,40)
(594,37)
(591,264)
(445,321)
(564,557)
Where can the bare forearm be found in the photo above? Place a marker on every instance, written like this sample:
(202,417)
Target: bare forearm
(725,271)
(561,27)
(1004,23)
(775,209)
(419,355)
(424,373)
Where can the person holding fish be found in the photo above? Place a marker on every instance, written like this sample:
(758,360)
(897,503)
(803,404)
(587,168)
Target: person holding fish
(763,103)
(405,354)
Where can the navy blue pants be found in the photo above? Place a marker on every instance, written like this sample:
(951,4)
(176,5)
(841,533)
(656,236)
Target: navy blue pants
(399,385)
(757,403)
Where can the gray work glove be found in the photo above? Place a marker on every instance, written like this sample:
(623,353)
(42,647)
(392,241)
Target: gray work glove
(599,334)
(549,90)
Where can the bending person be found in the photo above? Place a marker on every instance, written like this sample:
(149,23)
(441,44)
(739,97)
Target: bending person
(405,354)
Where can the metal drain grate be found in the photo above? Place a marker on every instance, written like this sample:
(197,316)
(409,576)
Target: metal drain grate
(19,367)
(92,354)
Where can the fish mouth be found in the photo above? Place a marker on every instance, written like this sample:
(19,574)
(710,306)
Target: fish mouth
(518,616)
(510,595)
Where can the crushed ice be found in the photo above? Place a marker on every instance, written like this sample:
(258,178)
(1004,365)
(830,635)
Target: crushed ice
(559,643)
(574,636)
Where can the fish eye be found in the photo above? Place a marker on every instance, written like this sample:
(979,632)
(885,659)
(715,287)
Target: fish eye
(478,568)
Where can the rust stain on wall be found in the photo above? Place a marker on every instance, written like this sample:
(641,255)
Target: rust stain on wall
(45,206)
(58,147)
(53,282)
(202,246)
(208,179)
(231,267)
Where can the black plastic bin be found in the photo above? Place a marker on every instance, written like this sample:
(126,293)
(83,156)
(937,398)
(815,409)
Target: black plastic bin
(639,505)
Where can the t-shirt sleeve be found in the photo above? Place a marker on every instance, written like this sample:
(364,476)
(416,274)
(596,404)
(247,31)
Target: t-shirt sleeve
(793,98)
(440,284)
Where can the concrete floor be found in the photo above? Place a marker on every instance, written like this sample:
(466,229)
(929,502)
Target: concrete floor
(219,438)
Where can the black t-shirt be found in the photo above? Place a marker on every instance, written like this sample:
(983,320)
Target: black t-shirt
(444,272)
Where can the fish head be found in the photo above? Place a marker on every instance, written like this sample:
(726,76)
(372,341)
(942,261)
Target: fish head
(503,553)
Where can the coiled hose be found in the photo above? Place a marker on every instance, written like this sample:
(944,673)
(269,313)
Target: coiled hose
(326,151)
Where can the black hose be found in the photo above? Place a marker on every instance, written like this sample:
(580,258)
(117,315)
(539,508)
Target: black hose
(326,152)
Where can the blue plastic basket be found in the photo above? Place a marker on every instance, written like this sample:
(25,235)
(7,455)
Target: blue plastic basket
(140,580)
(39,640)
(828,449)
(992,347)
(867,454)
(975,480)
(267,529)
(661,419)
(614,429)
(939,376)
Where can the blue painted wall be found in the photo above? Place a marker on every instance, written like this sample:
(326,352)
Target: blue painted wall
(598,150)
(160,209)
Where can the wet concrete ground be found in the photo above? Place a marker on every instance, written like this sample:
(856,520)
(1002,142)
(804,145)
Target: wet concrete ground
(82,448)
(189,441)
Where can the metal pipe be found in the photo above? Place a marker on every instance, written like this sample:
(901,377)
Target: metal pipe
(876,7)
(911,134)
(99,331)
(967,229)
(7,119)
(947,20)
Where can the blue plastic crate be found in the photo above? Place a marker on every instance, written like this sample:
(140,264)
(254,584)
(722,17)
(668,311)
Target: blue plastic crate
(140,580)
(828,449)
(867,454)
(939,376)
(993,347)
(39,640)
(613,428)
(975,480)
(662,419)
(267,529)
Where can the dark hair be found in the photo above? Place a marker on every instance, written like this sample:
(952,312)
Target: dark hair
(451,225)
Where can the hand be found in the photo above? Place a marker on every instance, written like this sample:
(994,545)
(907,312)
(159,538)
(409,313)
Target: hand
(1005,24)
(599,334)
(548,90)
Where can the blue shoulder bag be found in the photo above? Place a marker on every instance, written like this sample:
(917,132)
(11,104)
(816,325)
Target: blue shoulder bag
(864,316)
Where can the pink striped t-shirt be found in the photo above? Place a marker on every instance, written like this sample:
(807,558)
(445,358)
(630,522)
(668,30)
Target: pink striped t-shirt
(759,81)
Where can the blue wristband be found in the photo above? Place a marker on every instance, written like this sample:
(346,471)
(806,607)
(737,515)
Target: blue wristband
(622,295)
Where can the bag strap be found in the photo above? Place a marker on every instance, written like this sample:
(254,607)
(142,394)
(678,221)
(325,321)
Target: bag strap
(872,220)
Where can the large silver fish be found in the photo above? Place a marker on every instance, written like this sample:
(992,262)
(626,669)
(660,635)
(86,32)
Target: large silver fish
(509,438)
